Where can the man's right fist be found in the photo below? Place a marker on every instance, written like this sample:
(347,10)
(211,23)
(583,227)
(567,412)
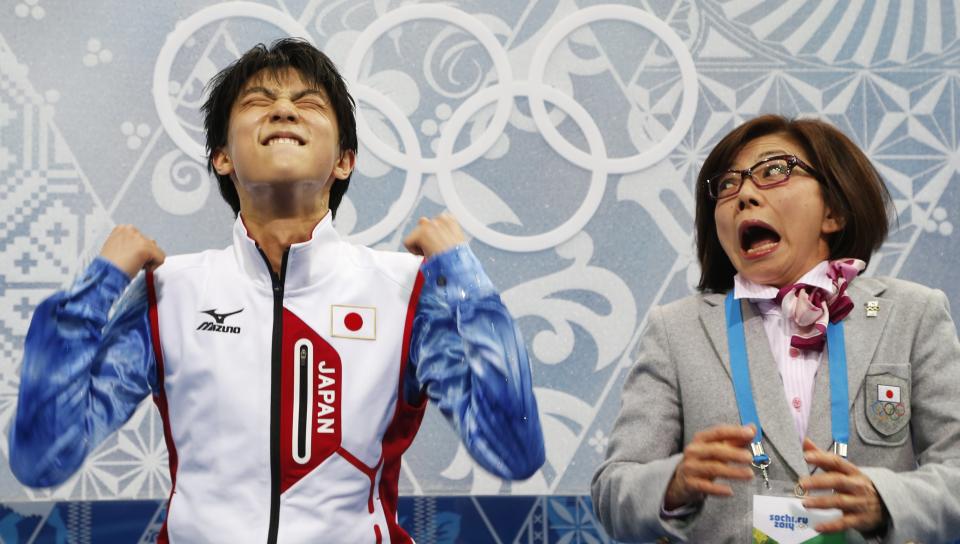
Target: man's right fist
(131,251)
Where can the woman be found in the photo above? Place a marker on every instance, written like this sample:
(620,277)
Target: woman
(788,214)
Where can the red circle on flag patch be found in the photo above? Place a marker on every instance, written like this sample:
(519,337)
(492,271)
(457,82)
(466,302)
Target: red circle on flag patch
(353,321)
(889,394)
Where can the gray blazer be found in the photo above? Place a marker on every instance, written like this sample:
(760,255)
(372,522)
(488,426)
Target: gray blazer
(681,385)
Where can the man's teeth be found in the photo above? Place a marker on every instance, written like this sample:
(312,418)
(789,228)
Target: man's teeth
(274,141)
(762,247)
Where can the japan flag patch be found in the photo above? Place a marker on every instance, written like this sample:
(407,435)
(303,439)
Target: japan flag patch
(356,322)
(888,393)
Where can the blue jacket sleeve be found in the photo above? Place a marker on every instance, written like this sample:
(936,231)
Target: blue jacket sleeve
(82,377)
(468,356)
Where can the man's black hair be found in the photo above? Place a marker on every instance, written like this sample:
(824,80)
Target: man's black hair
(313,66)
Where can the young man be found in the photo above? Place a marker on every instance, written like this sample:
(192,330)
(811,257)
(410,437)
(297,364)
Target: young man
(291,369)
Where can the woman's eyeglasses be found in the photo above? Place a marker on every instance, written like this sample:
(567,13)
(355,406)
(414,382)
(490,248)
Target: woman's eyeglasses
(765,174)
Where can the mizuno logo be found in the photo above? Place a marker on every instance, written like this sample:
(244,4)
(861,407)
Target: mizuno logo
(220,317)
(219,326)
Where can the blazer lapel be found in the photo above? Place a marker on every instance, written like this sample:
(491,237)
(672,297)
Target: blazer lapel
(819,429)
(862,335)
(778,427)
(714,320)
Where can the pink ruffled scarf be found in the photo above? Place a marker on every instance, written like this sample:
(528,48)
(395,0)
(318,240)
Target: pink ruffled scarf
(811,308)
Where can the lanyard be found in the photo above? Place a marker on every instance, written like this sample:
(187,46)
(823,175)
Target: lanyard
(740,371)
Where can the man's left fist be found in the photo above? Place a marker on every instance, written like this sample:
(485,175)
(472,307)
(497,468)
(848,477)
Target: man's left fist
(432,236)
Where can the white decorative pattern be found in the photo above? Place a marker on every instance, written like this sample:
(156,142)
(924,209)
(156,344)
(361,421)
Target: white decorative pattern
(566,139)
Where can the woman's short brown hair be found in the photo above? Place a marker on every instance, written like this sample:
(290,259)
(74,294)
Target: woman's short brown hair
(852,189)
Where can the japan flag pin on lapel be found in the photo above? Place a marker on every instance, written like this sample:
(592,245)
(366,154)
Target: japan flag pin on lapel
(873,308)
(356,322)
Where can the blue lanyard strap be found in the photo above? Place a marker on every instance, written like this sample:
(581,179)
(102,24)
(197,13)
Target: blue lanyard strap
(839,399)
(740,372)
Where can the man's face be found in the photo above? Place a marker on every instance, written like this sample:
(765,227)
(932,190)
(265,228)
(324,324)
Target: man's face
(282,130)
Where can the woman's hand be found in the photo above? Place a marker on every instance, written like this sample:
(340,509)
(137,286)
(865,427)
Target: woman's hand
(853,492)
(717,452)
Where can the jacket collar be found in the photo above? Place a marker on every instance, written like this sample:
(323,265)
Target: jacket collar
(308,263)
(816,276)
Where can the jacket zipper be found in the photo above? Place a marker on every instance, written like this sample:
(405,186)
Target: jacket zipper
(303,433)
(275,390)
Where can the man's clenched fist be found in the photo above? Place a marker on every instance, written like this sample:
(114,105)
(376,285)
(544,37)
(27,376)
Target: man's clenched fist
(131,251)
(432,236)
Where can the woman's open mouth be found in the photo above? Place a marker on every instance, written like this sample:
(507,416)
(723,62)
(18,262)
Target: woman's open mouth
(757,239)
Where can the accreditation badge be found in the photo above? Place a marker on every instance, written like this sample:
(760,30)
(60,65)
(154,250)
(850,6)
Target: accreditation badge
(784,520)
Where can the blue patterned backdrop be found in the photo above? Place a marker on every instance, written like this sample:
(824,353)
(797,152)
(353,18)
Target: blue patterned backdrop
(429,520)
(565,135)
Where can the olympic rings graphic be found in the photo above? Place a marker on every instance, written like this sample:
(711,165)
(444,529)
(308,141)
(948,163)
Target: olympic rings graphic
(179,35)
(591,202)
(501,62)
(888,410)
(688,72)
(408,195)
(502,94)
